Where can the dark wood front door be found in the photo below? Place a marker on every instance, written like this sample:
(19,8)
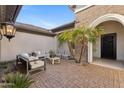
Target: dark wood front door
(108,46)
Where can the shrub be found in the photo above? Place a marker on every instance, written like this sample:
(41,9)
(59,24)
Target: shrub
(17,80)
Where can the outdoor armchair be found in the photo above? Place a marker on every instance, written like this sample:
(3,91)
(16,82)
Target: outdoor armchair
(32,63)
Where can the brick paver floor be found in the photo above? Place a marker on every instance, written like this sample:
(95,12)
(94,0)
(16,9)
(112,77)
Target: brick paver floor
(72,75)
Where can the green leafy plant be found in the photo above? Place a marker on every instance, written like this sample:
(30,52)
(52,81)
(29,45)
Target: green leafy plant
(84,35)
(52,53)
(68,37)
(80,35)
(7,70)
(17,80)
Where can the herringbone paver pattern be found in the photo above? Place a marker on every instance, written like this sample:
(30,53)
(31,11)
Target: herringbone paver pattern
(72,75)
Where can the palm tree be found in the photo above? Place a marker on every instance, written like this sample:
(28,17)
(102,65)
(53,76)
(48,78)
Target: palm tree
(84,35)
(80,35)
(67,36)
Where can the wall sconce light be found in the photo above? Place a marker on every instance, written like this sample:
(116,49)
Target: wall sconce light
(8,30)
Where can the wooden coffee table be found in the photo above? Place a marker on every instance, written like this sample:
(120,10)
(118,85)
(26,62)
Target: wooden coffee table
(55,60)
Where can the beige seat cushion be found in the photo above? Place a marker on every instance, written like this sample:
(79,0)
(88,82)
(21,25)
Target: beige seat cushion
(36,64)
(32,58)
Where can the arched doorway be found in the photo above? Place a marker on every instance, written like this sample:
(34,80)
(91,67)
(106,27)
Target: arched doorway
(113,36)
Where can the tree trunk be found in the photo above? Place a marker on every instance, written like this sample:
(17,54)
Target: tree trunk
(84,47)
(82,50)
(71,51)
(82,62)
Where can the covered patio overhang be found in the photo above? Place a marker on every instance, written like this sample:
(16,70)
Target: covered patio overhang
(9,12)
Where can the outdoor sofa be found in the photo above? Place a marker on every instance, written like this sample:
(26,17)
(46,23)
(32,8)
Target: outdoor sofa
(32,62)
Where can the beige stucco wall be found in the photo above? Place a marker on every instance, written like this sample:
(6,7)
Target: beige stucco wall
(25,42)
(63,49)
(112,27)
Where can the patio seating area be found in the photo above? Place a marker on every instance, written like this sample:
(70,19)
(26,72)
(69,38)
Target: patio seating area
(71,75)
(34,61)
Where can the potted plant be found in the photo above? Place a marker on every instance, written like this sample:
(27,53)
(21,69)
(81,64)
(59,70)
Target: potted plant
(52,53)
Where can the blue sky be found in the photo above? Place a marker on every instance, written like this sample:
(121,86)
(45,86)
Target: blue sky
(46,16)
